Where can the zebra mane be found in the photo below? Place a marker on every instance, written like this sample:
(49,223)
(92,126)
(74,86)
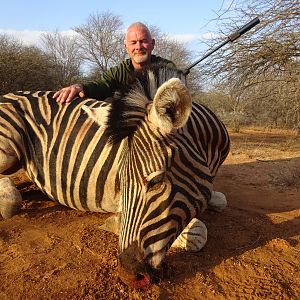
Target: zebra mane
(129,107)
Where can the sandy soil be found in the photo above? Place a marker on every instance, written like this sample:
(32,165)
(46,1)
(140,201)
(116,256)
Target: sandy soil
(253,251)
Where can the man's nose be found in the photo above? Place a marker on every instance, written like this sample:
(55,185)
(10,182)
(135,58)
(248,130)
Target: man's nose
(139,44)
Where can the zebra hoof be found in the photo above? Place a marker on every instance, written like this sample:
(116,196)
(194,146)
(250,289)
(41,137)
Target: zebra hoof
(10,199)
(193,238)
(217,202)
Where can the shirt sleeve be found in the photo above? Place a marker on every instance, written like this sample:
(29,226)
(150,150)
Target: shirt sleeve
(104,87)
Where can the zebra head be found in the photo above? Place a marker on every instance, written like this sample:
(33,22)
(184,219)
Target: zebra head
(158,200)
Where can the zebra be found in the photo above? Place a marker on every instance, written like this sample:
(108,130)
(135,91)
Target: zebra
(148,155)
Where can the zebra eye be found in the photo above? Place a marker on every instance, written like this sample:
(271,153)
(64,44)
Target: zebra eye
(155,182)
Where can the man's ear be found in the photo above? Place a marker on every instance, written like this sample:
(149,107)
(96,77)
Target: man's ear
(153,43)
(125,45)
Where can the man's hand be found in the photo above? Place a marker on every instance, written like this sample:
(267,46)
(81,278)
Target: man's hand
(68,93)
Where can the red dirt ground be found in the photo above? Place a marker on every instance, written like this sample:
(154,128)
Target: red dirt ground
(253,251)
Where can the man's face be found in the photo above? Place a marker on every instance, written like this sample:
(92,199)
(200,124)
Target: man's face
(139,46)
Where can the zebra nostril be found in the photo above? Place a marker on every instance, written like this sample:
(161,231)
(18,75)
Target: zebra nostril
(140,276)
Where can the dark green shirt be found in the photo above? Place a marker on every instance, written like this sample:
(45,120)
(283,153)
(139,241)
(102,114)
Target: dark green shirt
(117,78)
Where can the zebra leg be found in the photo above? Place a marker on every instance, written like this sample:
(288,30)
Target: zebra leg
(217,202)
(193,237)
(9,162)
(10,198)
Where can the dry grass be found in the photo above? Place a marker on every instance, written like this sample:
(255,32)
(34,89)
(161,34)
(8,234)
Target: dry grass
(265,144)
(278,148)
(286,176)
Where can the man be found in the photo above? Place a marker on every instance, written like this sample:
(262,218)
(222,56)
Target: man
(139,45)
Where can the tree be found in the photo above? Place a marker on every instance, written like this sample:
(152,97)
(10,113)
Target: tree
(10,50)
(261,68)
(65,56)
(170,48)
(101,41)
(24,68)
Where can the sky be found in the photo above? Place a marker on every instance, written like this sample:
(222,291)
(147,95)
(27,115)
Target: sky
(188,21)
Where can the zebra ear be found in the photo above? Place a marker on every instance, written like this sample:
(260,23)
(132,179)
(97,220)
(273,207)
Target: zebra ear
(171,107)
(97,114)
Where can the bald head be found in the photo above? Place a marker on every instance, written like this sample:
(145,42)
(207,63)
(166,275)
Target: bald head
(139,25)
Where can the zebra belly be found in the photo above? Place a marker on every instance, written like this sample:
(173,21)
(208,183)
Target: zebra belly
(86,195)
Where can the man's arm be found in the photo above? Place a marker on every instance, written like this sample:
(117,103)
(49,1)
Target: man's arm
(101,89)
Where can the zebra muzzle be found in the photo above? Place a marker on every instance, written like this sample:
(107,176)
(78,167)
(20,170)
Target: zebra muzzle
(134,271)
(138,280)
